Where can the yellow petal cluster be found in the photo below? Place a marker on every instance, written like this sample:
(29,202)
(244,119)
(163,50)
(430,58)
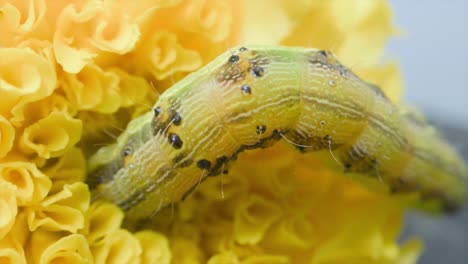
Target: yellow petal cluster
(74,72)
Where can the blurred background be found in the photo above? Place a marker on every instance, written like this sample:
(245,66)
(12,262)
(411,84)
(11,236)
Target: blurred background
(433,53)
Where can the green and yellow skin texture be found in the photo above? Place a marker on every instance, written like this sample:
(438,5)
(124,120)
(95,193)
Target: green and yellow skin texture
(251,99)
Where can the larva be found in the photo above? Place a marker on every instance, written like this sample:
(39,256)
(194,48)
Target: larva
(251,99)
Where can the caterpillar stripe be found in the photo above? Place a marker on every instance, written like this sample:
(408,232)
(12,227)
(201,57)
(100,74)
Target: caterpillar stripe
(255,97)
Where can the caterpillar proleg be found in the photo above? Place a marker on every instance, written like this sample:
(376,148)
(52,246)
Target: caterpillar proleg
(255,97)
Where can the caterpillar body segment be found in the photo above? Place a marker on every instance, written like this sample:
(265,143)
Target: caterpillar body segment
(251,99)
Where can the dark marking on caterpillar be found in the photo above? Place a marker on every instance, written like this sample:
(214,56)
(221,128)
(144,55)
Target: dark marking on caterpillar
(204,164)
(176,118)
(378,91)
(234,58)
(127,152)
(246,89)
(157,111)
(185,162)
(175,141)
(257,71)
(261,129)
(218,166)
(303,96)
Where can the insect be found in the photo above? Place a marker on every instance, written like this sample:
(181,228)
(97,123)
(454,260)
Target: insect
(255,97)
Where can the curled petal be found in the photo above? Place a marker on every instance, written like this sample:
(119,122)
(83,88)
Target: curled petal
(227,257)
(71,40)
(20,231)
(36,111)
(61,211)
(18,18)
(114,30)
(51,247)
(258,18)
(155,247)
(69,168)
(31,184)
(87,31)
(11,251)
(350,15)
(253,217)
(162,56)
(51,136)
(185,251)
(119,247)
(103,219)
(265,258)
(93,89)
(291,234)
(7,136)
(24,77)
(212,18)
(133,88)
(8,207)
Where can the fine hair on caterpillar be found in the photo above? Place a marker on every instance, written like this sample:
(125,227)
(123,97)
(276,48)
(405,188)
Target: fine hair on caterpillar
(253,97)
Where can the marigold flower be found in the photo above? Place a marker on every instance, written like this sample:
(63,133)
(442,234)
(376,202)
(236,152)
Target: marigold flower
(73,73)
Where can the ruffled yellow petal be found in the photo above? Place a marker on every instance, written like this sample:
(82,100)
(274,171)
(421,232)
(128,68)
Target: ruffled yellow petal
(51,247)
(258,18)
(38,110)
(61,211)
(38,138)
(68,169)
(8,207)
(155,247)
(24,77)
(186,251)
(103,220)
(11,251)
(92,89)
(133,88)
(119,247)
(161,55)
(18,18)
(7,136)
(31,184)
(211,18)
(253,218)
(20,231)
(265,258)
(355,30)
(114,30)
(94,27)
(224,258)
(291,234)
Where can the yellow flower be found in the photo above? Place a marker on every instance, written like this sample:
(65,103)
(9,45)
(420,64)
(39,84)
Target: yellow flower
(74,72)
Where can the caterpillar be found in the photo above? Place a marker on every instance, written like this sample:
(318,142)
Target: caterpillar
(254,97)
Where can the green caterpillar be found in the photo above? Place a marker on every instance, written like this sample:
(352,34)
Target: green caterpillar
(253,98)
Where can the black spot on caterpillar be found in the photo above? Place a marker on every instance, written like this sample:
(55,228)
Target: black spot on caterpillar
(254,98)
